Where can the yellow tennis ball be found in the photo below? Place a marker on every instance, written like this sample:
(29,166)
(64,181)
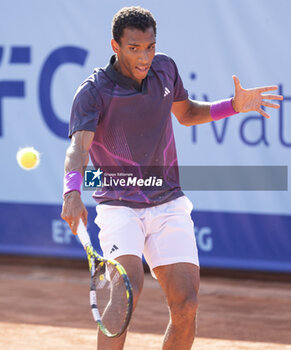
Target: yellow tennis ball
(28,158)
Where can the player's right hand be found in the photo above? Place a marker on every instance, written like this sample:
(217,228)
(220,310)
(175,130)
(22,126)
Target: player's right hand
(74,210)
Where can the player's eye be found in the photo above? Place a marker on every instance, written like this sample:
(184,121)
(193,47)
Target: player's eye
(132,48)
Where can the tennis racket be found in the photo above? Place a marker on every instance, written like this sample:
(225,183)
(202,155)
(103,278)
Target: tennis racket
(110,290)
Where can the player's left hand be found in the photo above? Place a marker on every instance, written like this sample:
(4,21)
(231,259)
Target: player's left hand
(246,100)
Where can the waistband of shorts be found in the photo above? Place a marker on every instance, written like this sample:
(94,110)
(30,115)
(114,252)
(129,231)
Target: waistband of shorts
(141,205)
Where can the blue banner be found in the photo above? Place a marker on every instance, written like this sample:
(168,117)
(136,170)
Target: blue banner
(224,240)
(37,229)
(40,72)
(243,241)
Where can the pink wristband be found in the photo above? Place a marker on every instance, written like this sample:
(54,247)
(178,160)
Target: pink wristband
(222,109)
(72,182)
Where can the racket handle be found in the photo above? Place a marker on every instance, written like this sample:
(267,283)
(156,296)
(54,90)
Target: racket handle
(83,234)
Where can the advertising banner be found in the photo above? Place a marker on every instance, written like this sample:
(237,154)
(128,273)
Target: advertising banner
(48,48)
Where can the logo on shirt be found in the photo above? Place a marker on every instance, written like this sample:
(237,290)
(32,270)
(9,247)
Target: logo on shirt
(166,92)
(93,178)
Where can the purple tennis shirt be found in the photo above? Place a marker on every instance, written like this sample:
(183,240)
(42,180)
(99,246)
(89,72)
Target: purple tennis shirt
(133,132)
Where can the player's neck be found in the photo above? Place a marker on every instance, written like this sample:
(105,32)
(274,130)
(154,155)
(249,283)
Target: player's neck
(118,67)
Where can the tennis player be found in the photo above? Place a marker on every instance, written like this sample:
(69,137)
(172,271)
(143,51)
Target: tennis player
(121,115)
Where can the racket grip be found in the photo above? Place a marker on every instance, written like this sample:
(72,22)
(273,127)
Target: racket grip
(83,234)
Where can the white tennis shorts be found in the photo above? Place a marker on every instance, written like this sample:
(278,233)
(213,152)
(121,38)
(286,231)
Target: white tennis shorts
(163,233)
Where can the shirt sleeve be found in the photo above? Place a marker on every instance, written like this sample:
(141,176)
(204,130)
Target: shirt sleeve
(85,111)
(180,93)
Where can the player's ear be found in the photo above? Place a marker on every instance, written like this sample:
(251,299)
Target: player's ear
(115,46)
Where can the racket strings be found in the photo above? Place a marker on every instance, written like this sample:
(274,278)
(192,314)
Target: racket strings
(112,297)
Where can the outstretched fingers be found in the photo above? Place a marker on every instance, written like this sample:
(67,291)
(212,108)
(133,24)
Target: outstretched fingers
(267,88)
(263,113)
(268,104)
(254,99)
(272,97)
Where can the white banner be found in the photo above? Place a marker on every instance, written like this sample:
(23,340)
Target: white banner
(48,48)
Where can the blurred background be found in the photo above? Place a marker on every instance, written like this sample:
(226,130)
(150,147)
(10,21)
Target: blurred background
(48,48)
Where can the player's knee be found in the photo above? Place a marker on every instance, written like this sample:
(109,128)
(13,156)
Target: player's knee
(185,309)
(134,268)
(135,294)
(137,285)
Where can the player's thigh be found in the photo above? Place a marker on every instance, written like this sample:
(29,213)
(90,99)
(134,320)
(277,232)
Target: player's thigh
(180,282)
(172,239)
(134,268)
(121,231)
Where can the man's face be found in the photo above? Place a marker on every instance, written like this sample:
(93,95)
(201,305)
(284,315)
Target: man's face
(135,52)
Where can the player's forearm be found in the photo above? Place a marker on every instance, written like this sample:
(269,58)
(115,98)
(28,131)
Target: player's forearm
(77,155)
(76,159)
(197,113)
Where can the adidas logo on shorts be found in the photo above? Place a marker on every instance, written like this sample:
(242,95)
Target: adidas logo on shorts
(113,248)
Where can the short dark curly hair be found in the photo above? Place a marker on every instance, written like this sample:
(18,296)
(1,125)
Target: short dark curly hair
(132,17)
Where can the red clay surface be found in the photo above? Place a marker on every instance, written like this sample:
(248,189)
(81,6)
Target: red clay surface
(48,309)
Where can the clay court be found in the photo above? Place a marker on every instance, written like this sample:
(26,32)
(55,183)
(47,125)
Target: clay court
(46,308)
